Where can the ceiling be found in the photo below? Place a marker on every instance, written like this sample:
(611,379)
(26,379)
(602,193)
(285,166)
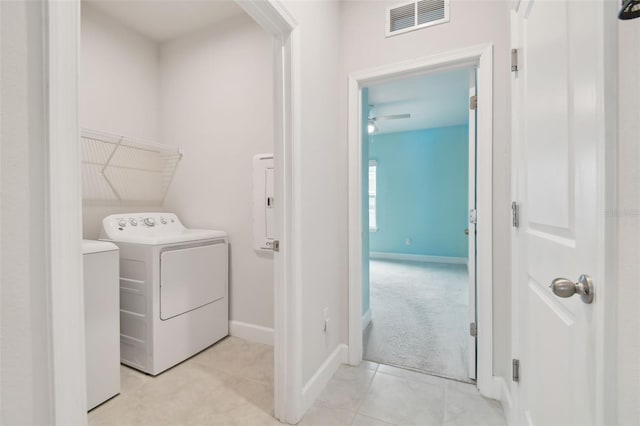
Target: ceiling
(433,100)
(162,20)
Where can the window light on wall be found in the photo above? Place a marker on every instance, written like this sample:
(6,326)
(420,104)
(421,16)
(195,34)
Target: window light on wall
(373,170)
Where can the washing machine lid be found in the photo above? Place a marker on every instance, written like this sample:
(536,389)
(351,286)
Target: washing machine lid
(93,246)
(152,229)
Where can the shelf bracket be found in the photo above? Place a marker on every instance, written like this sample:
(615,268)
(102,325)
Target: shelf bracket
(106,164)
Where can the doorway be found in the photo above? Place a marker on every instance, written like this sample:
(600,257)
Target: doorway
(186,115)
(464,59)
(64,216)
(419,298)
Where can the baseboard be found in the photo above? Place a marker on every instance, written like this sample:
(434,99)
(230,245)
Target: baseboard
(251,332)
(366,319)
(504,396)
(316,384)
(418,258)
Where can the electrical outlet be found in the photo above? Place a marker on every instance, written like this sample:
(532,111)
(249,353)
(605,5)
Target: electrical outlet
(325,319)
(407,241)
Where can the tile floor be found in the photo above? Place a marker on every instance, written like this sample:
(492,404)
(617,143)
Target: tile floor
(381,395)
(231,383)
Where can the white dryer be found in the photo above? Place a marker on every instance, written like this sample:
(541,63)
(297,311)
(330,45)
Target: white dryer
(173,288)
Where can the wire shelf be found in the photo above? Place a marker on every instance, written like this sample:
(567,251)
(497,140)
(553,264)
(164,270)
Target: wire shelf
(118,169)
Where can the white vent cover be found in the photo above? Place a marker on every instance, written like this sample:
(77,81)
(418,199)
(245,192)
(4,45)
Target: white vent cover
(415,15)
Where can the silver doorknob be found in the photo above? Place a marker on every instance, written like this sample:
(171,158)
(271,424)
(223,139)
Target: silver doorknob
(563,287)
(466,231)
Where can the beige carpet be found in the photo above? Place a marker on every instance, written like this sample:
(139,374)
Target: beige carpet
(420,317)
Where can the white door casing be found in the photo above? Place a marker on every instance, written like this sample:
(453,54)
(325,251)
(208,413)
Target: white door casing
(471,253)
(277,21)
(559,181)
(482,57)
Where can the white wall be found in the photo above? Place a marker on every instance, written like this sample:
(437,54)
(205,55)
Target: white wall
(24,319)
(217,104)
(628,219)
(323,254)
(120,78)
(472,23)
(92,215)
(119,92)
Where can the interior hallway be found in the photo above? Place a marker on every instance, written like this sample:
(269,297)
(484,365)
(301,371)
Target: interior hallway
(231,383)
(420,317)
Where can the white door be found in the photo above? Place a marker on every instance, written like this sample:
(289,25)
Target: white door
(471,253)
(557,129)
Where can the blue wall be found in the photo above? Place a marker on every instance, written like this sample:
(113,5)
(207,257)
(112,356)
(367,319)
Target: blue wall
(421,191)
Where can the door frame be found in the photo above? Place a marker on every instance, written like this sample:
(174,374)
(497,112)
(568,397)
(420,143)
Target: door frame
(472,237)
(64,212)
(480,56)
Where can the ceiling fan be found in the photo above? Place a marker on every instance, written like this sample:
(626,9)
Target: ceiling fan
(372,128)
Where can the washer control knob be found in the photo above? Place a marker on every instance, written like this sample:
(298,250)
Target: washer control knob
(133,222)
(149,221)
(163,220)
(122,223)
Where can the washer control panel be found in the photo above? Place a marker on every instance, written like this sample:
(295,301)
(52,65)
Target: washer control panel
(143,223)
(152,229)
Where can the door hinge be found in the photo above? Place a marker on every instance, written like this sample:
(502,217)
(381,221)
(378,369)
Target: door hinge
(473,329)
(473,102)
(514,60)
(275,245)
(515,370)
(473,216)
(515,214)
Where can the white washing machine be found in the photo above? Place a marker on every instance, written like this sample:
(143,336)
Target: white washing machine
(101,321)
(173,288)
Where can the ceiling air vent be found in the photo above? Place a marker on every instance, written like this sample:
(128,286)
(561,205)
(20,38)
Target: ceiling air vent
(415,15)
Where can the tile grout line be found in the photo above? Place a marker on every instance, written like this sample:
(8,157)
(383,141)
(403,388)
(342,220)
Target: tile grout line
(444,400)
(364,394)
(377,419)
